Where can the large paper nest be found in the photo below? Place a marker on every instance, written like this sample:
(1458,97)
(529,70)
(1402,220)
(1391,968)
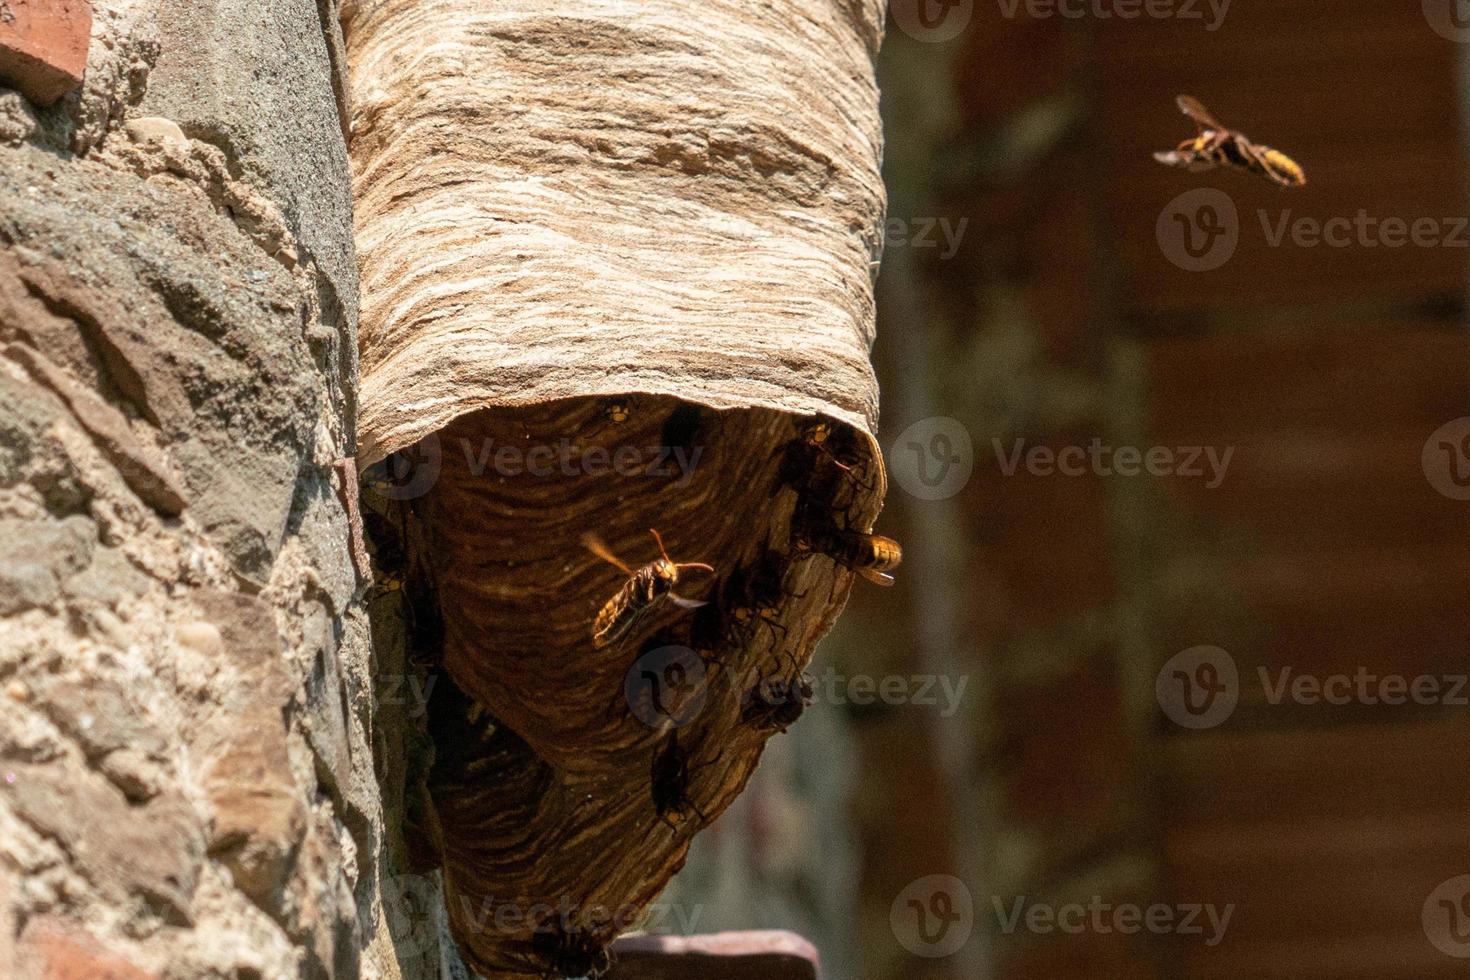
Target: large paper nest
(616,276)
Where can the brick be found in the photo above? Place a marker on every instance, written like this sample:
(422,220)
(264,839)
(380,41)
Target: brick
(1083,957)
(1297,776)
(57,949)
(1010,63)
(1325,377)
(1320,877)
(43,46)
(1044,536)
(1372,956)
(899,746)
(757,955)
(1058,243)
(1065,758)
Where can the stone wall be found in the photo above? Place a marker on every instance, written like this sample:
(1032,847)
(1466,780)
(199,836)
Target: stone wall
(188,784)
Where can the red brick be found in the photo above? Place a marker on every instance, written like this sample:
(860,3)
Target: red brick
(58,949)
(1319,877)
(1011,63)
(1044,537)
(1330,377)
(899,746)
(1077,957)
(43,46)
(1401,955)
(1295,777)
(1064,755)
(1061,298)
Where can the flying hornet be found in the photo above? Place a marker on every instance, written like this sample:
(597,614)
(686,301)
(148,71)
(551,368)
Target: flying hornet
(645,586)
(1214,145)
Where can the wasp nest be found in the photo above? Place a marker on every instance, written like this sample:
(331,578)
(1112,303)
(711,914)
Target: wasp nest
(571,775)
(615,280)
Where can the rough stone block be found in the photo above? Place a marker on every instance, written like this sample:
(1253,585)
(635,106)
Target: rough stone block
(151,852)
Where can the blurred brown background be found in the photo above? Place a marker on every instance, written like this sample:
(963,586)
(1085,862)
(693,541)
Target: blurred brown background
(1054,315)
